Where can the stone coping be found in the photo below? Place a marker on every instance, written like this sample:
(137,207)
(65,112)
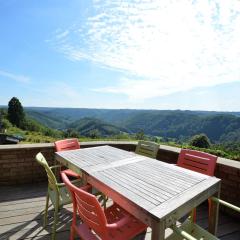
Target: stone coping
(51,145)
(222,161)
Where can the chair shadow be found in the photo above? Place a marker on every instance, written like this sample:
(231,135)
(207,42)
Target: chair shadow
(38,231)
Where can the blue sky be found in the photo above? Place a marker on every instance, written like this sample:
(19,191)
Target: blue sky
(176,54)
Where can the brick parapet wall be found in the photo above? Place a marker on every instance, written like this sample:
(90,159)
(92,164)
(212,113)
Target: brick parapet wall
(18,165)
(229,172)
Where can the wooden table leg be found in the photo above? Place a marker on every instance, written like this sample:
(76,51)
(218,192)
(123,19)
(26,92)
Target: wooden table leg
(84,178)
(213,218)
(158,231)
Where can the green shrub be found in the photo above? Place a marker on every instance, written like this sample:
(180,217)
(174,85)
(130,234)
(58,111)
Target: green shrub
(201,141)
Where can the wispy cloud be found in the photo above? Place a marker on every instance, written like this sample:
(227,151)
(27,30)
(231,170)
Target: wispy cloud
(15,77)
(60,89)
(166,46)
(62,35)
(57,94)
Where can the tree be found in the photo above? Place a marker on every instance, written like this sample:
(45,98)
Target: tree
(15,112)
(71,133)
(140,135)
(94,133)
(201,141)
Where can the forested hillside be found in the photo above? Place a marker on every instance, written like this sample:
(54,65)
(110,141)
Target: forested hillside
(215,132)
(179,125)
(92,127)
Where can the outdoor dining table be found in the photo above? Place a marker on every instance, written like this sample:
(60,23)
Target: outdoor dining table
(155,192)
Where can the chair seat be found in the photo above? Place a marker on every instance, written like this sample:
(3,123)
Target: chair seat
(193,229)
(129,230)
(113,214)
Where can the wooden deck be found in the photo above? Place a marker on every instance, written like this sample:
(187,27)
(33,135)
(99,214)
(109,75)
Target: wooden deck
(21,214)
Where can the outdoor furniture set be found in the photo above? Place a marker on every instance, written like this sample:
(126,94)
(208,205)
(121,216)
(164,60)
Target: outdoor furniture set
(145,192)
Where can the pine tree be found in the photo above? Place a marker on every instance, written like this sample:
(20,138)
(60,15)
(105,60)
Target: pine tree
(15,112)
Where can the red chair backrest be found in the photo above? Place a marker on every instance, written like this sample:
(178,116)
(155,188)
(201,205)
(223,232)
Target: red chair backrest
(197,161)
(67,144)
(88,207)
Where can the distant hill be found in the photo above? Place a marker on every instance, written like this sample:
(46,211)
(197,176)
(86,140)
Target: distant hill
(218,126)
(183,125)
(91,126)
(72,114)
(52,122)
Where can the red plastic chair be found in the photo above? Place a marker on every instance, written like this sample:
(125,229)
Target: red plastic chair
(197,161)
(72,144)
(68,144)
(112,223)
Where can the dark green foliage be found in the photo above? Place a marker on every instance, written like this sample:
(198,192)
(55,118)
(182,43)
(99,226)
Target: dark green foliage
(140,135)
(92,127)
(201,141)
(178,125)
(45,119)
(16,116)
(32,125)
(1,120)
(71,133)
(168,127)
(5,124)
(15,112)
(94,133)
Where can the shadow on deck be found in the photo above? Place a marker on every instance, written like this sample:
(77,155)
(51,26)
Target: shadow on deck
(21,215)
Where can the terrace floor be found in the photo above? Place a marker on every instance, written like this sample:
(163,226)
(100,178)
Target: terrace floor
(21,214)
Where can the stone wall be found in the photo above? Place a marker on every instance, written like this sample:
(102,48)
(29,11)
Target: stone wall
(18,165)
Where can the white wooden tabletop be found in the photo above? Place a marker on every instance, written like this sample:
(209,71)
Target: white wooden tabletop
(151,190)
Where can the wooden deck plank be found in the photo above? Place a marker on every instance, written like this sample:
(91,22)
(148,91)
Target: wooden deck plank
(12,196)
(22,206)
(232,236)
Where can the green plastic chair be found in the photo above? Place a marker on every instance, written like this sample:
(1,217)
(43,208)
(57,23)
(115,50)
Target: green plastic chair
(148,149)
(57,192)
(191,231)
(226,204)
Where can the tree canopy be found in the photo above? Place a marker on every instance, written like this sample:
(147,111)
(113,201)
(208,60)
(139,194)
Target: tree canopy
(15,112)
(201,141)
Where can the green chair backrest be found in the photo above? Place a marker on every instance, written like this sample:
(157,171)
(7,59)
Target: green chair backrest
(52,181)
(148,149)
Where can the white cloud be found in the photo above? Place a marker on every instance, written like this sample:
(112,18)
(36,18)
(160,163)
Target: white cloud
(15,77)
(62,34)
(61,89)
(167,46)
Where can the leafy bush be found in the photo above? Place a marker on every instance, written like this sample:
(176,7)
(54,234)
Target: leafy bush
(6,124)
(201,141)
